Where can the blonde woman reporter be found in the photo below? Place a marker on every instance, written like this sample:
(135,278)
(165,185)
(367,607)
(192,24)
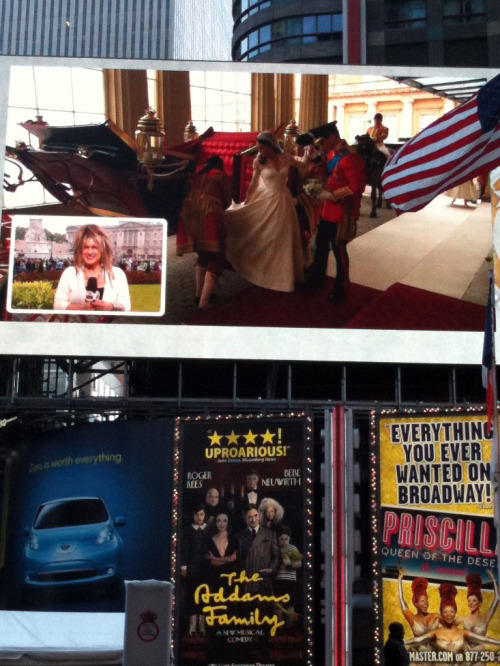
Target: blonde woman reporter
(92,283)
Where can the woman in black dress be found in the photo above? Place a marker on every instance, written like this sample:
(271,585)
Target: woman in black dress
(220,559)
(221,552)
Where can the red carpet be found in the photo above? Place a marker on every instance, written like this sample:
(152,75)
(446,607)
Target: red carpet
(399,307)
(302,309)
(402,307)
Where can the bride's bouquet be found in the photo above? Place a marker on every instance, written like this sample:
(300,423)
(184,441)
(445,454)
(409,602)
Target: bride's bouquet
(313,187)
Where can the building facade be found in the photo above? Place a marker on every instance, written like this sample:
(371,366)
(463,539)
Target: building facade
(354,100)
(131,239)
(309,31)
(144,29)
(452,33)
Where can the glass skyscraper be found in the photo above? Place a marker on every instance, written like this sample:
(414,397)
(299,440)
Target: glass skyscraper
(450,33)
(143,29)
(289,30)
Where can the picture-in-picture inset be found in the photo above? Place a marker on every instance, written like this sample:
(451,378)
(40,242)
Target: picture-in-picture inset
(63,266)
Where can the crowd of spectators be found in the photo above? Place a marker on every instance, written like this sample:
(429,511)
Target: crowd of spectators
(30,265)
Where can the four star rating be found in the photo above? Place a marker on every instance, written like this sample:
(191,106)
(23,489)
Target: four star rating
(245,439)
(249,446)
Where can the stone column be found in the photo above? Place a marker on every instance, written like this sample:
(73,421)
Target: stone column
(263,102)
(406,120)
(313,101)
(340,118)
(174,105)
(126,97)
(371,111)
(284,99)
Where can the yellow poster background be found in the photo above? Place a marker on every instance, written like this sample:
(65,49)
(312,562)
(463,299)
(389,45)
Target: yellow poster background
(469,453)
(392,608)
(436,440)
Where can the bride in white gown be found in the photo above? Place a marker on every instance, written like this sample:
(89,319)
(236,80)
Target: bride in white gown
(263,241)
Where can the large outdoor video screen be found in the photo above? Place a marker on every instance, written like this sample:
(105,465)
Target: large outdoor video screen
(238,274)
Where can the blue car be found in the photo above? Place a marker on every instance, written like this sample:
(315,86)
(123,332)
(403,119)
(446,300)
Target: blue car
(73,542)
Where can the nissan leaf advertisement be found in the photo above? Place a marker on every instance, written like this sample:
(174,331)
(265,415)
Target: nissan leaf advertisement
(87,508)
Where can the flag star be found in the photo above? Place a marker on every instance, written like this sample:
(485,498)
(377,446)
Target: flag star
(250,437)
(267,437)
(215,438)
(232,438)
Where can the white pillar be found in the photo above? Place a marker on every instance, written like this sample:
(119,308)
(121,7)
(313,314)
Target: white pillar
(406,120)
(340,117)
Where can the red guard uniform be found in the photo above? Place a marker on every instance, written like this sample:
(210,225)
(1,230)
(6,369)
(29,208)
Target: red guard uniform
(347,183)
(200,226)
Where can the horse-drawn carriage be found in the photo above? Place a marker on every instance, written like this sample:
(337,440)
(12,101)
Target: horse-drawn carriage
(95,169)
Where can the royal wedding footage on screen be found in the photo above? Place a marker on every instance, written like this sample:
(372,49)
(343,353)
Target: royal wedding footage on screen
(418,281)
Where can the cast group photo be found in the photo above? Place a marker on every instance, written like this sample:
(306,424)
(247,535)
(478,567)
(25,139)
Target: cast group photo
(447,622)
(240,569)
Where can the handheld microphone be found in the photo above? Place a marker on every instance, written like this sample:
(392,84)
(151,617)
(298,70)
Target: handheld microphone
(91,289)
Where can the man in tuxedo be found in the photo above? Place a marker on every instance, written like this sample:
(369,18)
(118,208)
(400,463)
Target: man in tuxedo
(251,495)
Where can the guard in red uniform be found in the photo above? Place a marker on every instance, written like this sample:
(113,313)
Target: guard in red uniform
(337,224)
(201,228)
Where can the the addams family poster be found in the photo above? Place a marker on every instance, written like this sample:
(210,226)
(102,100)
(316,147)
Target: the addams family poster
(434,537)
(243,552)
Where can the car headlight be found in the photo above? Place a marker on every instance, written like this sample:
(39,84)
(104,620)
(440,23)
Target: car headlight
(105,535)
(33,542)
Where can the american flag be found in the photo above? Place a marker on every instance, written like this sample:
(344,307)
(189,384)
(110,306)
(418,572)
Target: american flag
(452,150)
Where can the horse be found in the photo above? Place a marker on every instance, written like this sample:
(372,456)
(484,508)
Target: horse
(374,160)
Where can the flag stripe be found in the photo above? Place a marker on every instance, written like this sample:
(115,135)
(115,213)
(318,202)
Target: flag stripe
(435,136)
(430,169)
(456,174)
(450,151)
(404,192)
(438,133)
(424,190)
(454,149)
(441,160)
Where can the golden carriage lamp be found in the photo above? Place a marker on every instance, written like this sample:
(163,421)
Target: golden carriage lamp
(149,138)
(190,132)
(289,135)
(32,126)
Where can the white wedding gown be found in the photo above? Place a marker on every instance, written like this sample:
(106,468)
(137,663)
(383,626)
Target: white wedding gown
(466,191)
(263,241)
